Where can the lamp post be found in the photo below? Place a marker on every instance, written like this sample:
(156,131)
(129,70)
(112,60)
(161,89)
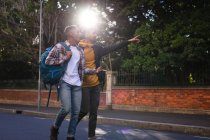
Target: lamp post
(40,49)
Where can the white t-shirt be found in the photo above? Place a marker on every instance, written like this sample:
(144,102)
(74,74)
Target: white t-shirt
(71,75)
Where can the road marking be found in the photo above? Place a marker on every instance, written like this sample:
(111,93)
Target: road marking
(40,118)
(202,137)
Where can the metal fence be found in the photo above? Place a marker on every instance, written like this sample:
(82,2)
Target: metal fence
(135,78)
(142,78)
(18,84)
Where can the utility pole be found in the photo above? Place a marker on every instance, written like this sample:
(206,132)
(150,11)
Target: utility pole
(40,50)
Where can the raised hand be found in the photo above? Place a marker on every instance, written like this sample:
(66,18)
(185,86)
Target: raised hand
(134,39)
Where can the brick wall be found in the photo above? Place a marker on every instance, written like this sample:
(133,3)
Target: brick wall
(177,100)
(188,100)
(30,97)
(26,97)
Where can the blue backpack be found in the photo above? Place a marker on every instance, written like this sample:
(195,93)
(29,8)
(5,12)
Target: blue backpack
(51,74)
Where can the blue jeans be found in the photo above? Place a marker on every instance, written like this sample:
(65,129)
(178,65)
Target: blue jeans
(70,97)
(90,103)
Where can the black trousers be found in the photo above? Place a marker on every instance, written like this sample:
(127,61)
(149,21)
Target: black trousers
(89,104)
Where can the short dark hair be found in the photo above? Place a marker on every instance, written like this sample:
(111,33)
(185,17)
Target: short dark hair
(68,29)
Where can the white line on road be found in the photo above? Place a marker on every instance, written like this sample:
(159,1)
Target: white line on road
(202,137)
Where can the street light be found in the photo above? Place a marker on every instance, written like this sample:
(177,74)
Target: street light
(40,49)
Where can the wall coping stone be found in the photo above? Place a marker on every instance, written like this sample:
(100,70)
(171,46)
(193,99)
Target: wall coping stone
(147,87)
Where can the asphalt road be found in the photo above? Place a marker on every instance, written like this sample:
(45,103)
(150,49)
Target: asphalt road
(20,127)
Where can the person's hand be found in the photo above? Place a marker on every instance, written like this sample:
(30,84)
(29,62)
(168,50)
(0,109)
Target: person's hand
(134,39)
(98,69)
(68,54)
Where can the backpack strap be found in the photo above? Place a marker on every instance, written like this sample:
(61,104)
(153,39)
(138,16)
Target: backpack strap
(65,46)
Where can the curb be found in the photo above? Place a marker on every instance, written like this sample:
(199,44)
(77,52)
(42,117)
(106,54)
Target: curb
(187,129)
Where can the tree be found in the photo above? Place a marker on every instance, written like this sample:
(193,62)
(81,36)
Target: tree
(175,37)
(18,25)
(174,34)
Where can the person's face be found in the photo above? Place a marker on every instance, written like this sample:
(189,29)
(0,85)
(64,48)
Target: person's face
(75,34)
(91,36)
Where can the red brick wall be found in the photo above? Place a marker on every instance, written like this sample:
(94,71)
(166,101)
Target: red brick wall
(26,97)
(183,98)
(30,97)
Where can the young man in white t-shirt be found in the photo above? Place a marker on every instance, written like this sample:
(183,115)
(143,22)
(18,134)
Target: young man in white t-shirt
(70,91)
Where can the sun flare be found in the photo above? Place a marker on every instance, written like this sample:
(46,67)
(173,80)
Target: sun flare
(88,19)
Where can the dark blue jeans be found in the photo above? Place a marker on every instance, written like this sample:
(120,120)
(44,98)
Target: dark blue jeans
(89,104)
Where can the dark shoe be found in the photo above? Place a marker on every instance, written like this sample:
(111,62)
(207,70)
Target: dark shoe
(53,133)
(70,138)
(92,138)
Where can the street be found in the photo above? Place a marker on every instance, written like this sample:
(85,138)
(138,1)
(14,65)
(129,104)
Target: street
(20,127)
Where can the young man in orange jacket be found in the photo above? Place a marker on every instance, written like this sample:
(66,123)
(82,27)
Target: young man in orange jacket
(90,89)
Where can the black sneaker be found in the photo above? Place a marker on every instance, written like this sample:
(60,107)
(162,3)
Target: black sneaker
(70,138)
(53,133)
(92,138)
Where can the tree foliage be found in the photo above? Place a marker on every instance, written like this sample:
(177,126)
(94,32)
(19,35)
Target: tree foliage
(18,27)
(174,35)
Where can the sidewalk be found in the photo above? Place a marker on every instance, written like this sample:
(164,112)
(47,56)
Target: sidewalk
(181,123)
